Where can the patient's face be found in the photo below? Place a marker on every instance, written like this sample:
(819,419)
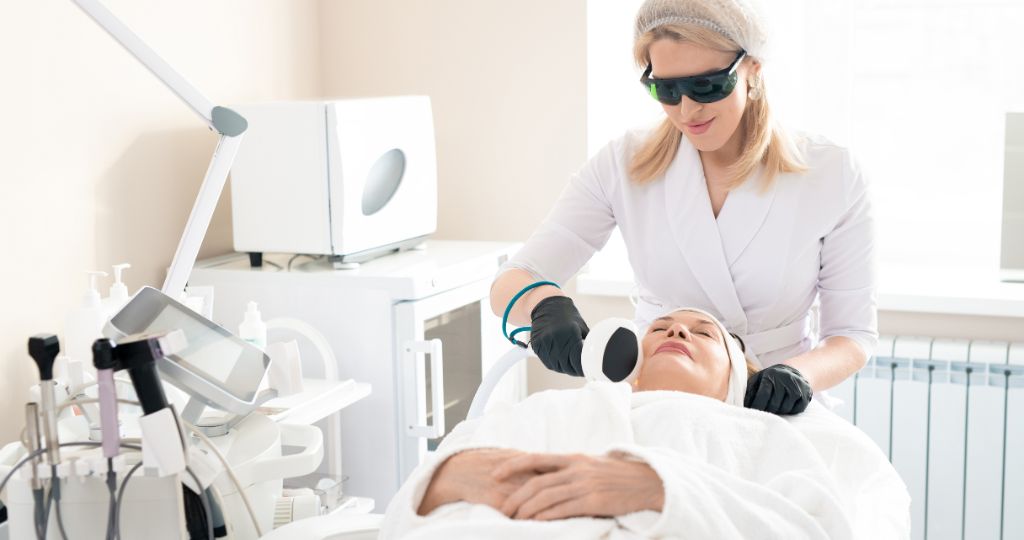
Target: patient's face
(685,351)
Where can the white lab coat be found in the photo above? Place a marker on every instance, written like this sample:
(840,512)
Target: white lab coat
(758,267)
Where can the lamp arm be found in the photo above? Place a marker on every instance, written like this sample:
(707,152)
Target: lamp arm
(202,212)
(149,58)
(229,124)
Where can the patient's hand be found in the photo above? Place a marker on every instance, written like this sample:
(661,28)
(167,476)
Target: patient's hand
(580,485)
(466,476)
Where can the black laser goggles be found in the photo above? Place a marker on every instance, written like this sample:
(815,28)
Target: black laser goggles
(700,88)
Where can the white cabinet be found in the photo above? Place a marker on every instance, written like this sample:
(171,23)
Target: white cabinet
(416,325)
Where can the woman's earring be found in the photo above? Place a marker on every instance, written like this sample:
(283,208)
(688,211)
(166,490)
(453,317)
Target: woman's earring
(755,90)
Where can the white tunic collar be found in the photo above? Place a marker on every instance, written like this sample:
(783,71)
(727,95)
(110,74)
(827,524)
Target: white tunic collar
(711,246)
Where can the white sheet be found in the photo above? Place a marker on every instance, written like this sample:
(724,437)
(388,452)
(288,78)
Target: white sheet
(729,472)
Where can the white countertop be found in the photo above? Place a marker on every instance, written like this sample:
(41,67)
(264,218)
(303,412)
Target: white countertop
(435,266)
(957,291)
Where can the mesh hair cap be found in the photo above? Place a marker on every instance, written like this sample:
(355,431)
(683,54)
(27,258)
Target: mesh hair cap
(738,20)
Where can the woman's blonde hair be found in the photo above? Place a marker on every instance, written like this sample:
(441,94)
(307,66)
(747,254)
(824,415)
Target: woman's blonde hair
(752,369)
(764,143)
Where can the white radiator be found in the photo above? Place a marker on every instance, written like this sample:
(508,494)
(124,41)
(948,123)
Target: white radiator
(950,416)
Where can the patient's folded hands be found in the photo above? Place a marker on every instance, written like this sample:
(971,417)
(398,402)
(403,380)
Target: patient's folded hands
(466,476)
(565,486)
(545,486)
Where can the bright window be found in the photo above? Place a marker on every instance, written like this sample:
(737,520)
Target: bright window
(918,89)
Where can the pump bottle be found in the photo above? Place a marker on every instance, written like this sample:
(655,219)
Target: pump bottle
(84,324)
(253,329)
(118,293)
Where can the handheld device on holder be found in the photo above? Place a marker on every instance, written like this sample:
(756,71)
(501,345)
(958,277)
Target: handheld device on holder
(44,349)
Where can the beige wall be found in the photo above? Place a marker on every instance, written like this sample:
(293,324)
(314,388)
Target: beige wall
(507,82)
(99,163)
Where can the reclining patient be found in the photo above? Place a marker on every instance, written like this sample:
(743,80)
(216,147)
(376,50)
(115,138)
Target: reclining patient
(674,455)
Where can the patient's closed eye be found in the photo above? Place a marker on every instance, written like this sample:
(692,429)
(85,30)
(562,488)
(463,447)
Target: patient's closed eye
(707,330)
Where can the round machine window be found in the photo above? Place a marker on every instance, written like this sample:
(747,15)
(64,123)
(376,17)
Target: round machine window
(383,180)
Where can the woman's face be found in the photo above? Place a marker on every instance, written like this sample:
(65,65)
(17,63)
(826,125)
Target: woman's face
(708,126)
(685,351)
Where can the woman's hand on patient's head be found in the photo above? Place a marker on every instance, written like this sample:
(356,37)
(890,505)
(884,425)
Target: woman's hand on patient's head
(565,486)
(466,476)
(780,389)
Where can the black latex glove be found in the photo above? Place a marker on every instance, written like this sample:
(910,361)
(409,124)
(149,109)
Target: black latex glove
(557,331)
(779,389)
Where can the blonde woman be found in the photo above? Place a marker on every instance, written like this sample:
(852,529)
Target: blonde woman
(720,209)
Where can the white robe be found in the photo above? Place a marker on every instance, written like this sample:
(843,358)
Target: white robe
(728,472)
(758,267)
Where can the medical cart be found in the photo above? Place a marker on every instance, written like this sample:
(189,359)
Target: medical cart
(416,325)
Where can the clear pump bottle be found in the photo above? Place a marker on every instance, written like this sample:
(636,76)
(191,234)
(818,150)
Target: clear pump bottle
(253,329)
(118,292)
(85,324)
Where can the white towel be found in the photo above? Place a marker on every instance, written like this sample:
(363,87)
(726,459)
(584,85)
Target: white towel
(728,472)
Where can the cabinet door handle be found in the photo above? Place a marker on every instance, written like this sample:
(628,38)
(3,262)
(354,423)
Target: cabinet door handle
(432,350)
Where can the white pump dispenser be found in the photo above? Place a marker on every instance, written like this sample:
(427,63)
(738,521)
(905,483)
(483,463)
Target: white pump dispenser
(84,325)
(91,298)
(253,329)
(118,292)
